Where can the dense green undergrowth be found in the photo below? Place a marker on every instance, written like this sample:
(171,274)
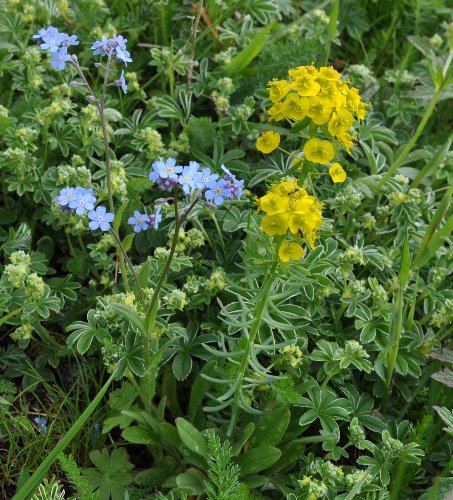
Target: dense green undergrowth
(192,360)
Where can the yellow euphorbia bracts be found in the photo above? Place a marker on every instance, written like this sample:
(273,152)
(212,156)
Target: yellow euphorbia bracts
(327,101)
(289,207)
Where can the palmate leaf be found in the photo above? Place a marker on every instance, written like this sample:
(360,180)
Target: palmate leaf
(84,333)
(111,473)
(324,405)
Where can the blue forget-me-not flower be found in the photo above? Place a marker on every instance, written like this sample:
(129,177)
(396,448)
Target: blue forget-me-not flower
(100,218)
(41,424)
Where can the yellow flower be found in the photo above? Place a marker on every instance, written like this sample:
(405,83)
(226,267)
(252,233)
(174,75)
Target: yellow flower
(304,80)
(277,89)
(337,173)
(318,151)
(346,140)
(303,70)
(285,187)
(275,112)
(329,93)
(328,73)
(273,204)
(290,250)
(275,224)
(295,107)
(319,110)
(301,205)
(306,85)
(268,142)
(340,122)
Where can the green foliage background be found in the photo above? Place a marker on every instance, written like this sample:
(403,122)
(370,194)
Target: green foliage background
(346,390)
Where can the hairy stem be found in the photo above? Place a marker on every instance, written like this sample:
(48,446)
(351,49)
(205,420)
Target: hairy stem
(258,314)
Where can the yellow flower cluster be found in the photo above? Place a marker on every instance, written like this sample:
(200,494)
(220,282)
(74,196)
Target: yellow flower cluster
(319,97)
(289,206)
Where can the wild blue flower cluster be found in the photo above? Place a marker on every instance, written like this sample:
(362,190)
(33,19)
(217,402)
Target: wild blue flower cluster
(166,174)
(114,47)
(80,201)
(41,424)
(141,222)
(57,44)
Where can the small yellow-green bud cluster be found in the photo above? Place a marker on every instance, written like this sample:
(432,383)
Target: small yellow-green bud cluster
(354,477)
(35,288)
(17,271)
(176,299)
(68,175)
(292,355)
(391,449)
(193,238)
(444,316)
(151,139)
(179,145)
(349,197)
(118,178)
(378,293)
(356,433)
(23,334)
(216,280)
(313,488)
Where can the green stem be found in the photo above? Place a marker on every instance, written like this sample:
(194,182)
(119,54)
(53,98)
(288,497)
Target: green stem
(410,145)
(332,28)
(10,315)
(33,482)
(123,253)
(258,314)
(395,334)
(328,378)
(152,364)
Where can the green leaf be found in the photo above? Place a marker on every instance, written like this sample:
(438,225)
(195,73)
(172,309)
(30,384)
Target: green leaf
(138,435)
(129,314)
(192,437)
(271,428)
(111,473)
(258,459)
(182,365)
(246,56)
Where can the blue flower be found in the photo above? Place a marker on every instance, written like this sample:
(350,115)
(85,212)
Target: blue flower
(41,424)
(82,200)
(66,195)
(114,46)
(121,82)
(59,58)
(165,170)
(190,177)
(69,40)
(123,55)
(100,47)
(154,219)
(100,218)
(139,221)
(217,191)
(51,39)
(117,41)
(207,176)
(235,186)
(41,34)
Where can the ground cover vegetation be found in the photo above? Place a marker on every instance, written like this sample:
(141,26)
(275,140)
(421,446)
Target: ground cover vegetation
(226,255)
